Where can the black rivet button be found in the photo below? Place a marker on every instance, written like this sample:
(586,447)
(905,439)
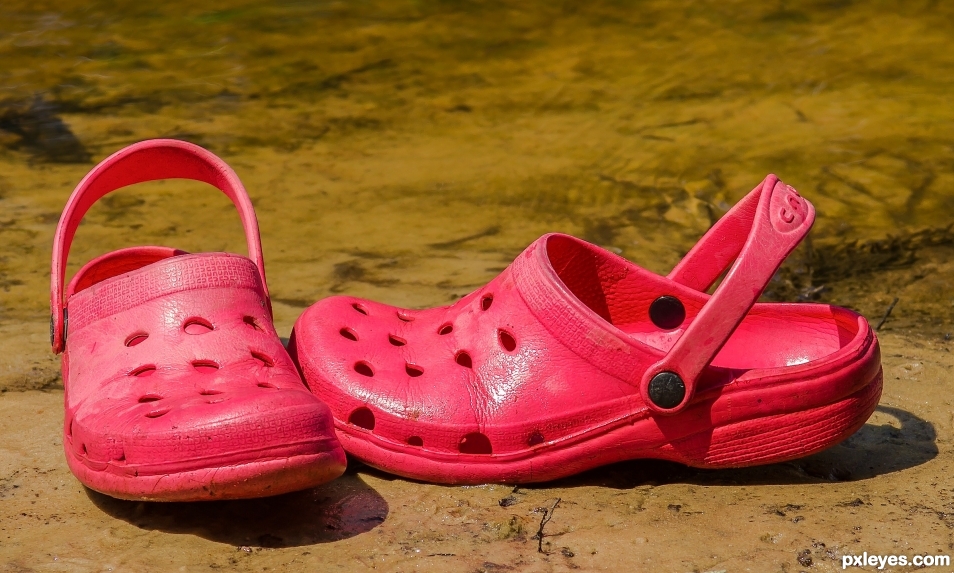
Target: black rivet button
(667,390)
(667,312)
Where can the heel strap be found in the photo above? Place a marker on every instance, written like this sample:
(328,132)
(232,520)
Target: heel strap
(145,161)
(757,234)
(721,244)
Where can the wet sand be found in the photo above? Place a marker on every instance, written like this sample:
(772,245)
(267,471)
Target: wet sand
(407,153)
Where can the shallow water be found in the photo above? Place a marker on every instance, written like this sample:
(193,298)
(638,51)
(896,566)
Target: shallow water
(408,151)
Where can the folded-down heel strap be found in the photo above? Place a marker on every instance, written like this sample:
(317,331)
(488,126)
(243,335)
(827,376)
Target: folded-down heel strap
(757,234)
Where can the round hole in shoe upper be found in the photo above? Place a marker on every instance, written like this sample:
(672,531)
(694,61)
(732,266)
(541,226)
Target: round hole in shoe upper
(507,340)
(143,371)
(415,441)
(197,325)
(136,339)
(149,398)
(362,417)
(364,369)
(348,333)
(464,359)
(360,308)
(209,392)
(396,340)
(205,366)
(445,329)
(667,312)
(413,371)
(268,385)
(250,320)
(475,443)
(158,413)
(263,359)
(535,438)
(486,301)
(404,316)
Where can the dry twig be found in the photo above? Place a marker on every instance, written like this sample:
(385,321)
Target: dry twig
(547,515)
(887,313)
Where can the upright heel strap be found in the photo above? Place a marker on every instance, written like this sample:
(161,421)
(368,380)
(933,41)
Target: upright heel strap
(145,161)
(757,234)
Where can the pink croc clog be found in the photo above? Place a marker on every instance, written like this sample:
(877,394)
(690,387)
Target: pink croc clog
(177,385)
(574,357)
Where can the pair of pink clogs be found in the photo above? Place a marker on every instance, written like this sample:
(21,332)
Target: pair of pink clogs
(178,387)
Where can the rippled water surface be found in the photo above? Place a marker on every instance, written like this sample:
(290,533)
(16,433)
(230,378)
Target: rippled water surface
(407,151)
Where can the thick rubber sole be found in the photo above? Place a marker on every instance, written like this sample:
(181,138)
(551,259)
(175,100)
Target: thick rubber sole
(756,441)
(259,478)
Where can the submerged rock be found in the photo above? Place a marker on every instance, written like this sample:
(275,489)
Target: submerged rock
(42,132)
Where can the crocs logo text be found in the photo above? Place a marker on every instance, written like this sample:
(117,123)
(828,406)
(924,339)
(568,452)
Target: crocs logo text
(794,205)
(787,208)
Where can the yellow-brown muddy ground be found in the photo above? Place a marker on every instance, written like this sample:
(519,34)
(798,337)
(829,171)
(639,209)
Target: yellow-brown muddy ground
(407,152)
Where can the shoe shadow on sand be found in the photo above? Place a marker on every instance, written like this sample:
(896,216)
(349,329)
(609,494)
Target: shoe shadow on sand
(892,440)
(338,510)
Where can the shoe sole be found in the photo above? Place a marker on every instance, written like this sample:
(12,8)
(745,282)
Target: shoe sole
(260,478)
(756,441)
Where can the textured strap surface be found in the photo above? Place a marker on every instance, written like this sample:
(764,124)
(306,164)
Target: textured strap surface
(757,234)
(145,161)
(721,244)
(166,277)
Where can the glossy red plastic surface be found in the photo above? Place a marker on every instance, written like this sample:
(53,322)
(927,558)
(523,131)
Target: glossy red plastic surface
(177,385)
(542,373)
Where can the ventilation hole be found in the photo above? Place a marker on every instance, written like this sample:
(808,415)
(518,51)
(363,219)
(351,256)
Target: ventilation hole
(197,326)
(486,301)
(446,329)
(120,458)
(205,366)
(267,385)
(209,392)
(265,360)
(143,371)
(362,418)
(360,308)
(149,398)
(250,320)
(404,315)
(348,333)
(413,371)
(364,369)
(157,413)
(475,443)
(83,449)
(507,340)
(464,360)
(136,339)
(69,430)
(415,441)
(396,340)
(535,438)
